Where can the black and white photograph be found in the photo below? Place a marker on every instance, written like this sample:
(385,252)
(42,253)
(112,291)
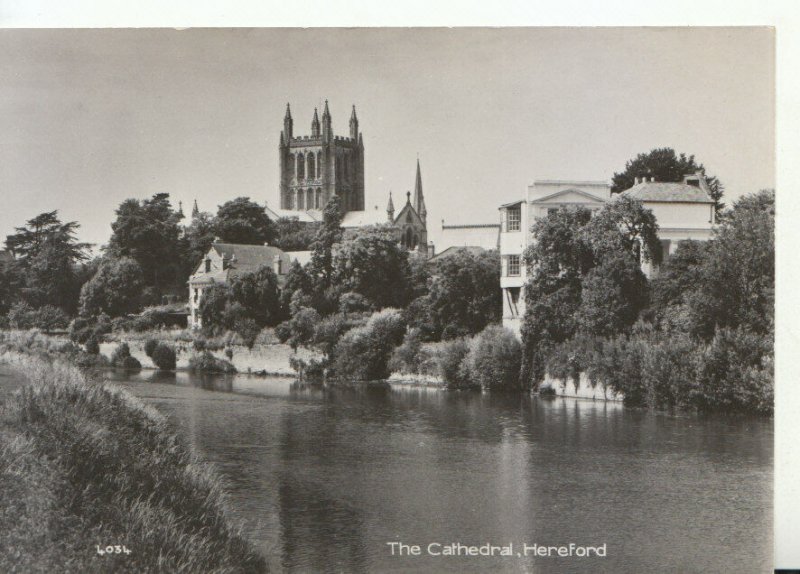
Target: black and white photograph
(388,299)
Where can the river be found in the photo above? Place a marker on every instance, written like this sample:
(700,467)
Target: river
(321,480)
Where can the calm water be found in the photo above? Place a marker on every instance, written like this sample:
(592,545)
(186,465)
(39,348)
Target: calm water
(321,480)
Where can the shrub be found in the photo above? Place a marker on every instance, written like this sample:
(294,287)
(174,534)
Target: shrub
(150,346)
(164,357)
(494,359)
(47,318)
(229,353)
(83,328)
(452,356)
(121,358)
(409,356)
(363,353)
(208,363)
(92,346)
(199,345)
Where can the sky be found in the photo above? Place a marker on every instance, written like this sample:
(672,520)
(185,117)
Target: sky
(89,118)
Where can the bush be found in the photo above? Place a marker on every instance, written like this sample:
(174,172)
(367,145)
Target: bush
(150,346)
(452,368)
(410,355)
(494,359)
(47,318)
(84,328)
(164,357)
(363,353)
(121,358)
(208,363)
(199,345)
(92,346)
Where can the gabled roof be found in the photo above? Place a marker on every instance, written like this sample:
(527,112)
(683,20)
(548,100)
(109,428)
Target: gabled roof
(552,196)
(363,218)
(512,204)
(403,216)
(241,259)
(657,191)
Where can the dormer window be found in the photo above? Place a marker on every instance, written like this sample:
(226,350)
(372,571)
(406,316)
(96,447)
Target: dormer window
(208,265)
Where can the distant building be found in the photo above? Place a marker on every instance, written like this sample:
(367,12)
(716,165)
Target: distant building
(518,217)
(683,211)
(314,168)
(224,261)
(486,236)
(450,251)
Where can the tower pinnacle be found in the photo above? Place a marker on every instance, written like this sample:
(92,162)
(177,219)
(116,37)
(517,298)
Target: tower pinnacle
(390,208)
(419,198)
(288,123)
(315,125)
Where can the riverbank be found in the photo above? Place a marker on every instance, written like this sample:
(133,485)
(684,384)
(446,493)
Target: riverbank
(84,465)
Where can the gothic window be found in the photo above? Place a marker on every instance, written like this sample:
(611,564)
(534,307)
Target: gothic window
(408,217)
(311,167)
(301,166)
(290,202)
(292,163)
(409,238)
(513,266)
(318,202)
(513,215)
(300,202)
(416,240)
(310,199)
(319,164)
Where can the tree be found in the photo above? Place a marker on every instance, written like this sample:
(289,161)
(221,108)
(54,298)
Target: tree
(258,294)
(623,225)
(462,296)
(148,231)
(198,237)
(374,265)
(115,289)
(329,234)
(47,255)
(665,165)
(243,221)
(295,235)
(737,288)
(679,275)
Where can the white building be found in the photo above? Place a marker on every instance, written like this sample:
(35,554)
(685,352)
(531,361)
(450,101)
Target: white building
(224,261)
(683,210)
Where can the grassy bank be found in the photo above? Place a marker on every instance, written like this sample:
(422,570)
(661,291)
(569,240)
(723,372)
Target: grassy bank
(84,465)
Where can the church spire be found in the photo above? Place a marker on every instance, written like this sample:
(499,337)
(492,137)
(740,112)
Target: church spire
(354,124)
(288,123)
(315,125)
(327,132)
(419,199)
(390,209)
(195,211)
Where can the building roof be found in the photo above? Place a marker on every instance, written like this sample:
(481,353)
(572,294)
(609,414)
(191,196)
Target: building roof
(309,216)
(659,191)
(450,251)
(241,259)
(367,217)
(302,257)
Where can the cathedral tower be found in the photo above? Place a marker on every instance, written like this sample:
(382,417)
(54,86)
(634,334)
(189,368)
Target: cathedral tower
(315,168)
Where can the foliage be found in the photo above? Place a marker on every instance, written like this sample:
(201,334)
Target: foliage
(82,461)
(461,296)
(329,234)
(241,220)
(47,318)
(258,294)
(299,330)
(197,238)
(150,347)
(295,235)
(115,289)
(45,270)
(208,363)
(374,265)
(164,357)
(363,353)
(410,355)
(82,329)
(452,365)
(121,358)
(148,232)
(494,359)
(665,165)
(92,346)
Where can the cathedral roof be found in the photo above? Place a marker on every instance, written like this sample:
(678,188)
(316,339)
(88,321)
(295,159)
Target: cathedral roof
(363,218)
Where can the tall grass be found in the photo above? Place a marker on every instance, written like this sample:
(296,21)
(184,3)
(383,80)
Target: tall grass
(84,464)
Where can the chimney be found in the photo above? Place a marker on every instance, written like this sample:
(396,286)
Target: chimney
(277,265)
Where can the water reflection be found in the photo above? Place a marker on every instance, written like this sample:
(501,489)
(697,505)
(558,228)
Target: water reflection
(323,478)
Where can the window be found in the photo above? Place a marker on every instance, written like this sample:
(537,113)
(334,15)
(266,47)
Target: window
(311,168)
(512,296)
(318,203)
(513,266)
(319,165)
(208,265)
(513,216)
(301,166)
(300,202)
(195,295)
